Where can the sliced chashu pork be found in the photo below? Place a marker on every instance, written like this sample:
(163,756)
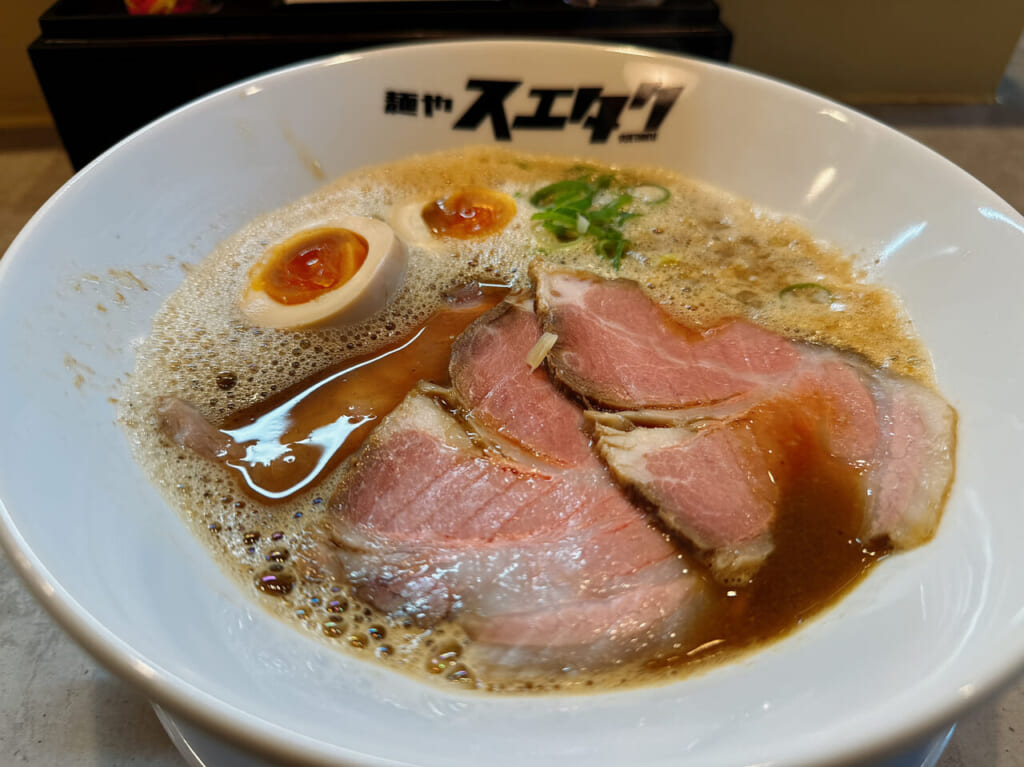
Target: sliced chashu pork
(912,468)
(714,486)
(722,478)
(486,517)
(714,422)
(618,349)
(497,390)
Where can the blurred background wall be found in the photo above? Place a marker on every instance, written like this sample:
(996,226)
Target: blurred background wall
(854,50)
(21,101)
(879,50)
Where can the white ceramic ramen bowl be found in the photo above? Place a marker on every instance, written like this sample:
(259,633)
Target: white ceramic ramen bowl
(926,635)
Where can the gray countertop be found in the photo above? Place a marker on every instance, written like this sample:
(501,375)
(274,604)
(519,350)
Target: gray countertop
(58,707)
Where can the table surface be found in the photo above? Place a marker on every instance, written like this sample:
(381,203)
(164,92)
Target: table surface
(59,707)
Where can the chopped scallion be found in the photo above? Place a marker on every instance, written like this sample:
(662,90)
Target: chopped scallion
(594,206)
(652,194)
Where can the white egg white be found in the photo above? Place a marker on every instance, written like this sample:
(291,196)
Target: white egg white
(406,220)
(369,290)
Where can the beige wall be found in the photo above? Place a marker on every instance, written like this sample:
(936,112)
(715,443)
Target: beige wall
(879,50)
(21,102)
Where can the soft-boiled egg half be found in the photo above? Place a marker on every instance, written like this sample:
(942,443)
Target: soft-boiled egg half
(468,213)
(338,272)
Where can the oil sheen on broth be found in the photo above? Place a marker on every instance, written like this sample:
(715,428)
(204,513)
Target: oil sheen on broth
(704,255)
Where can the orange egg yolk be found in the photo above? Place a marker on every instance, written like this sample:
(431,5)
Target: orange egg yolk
(469,213)
(310,264)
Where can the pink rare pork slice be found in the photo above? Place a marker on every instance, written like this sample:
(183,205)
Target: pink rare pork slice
(707,425)
(486,503)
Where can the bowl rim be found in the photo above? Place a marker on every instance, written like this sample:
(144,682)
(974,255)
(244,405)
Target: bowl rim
(275,742)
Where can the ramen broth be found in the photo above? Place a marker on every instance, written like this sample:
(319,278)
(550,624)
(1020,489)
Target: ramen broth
(284,444)
(704,255)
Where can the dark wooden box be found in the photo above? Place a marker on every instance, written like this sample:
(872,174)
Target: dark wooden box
(106,73)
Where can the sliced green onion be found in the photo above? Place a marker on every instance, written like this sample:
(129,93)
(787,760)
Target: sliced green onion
(557,217)
(560,193)
(620,247)
(593,207)
(540,350)
(557,240)
(611,209)
(652,194)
